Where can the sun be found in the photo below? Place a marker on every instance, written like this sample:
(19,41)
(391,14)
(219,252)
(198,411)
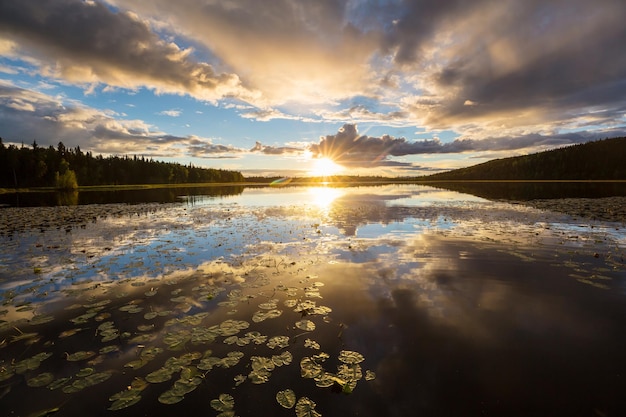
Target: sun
(325,167)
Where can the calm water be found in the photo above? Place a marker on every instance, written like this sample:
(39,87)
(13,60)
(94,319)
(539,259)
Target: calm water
(389,300)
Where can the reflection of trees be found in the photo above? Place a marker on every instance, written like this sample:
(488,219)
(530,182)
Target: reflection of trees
(523,191)
(67,198)
(192,195)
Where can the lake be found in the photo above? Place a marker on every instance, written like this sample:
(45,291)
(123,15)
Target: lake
(390,300)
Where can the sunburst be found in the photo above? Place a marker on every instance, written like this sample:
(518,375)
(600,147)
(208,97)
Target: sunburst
(325,167)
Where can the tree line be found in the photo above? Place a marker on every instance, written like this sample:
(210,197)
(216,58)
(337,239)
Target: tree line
(66,168)
(599,160)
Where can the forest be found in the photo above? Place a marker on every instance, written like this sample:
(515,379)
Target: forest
(67,168)
(599,160)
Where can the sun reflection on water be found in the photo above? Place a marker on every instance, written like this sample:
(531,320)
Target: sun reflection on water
(323,197)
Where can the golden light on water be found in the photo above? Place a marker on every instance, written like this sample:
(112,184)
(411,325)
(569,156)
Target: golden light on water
(323,197)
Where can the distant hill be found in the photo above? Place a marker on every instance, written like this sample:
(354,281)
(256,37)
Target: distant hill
(599,160)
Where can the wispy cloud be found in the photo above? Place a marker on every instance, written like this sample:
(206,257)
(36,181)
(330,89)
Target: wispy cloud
(170,113)
(276,150)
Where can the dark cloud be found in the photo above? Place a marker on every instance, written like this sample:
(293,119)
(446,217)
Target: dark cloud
(214,151)
(349,148)
(551,58)
(417,22)
(90,43)
(275,150)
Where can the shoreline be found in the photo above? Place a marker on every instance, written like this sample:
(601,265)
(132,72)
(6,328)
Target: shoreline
(295,182)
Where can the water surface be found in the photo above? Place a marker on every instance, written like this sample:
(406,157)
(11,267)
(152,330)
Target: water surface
(389,300)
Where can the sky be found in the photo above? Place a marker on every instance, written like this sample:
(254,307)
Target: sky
(284,87)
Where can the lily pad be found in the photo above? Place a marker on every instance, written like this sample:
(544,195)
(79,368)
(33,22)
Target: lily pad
(286,398)
(308,343)
(350,357)
(177,340)
(256,337)
(325,380)
(5,373)
(260,376)
(224,402)
(263,315)
(109,349)
(278,342)
(128,397)
(306,408)
(61,382)
(239,379)
(85,372)
(261,362)
(31,363)
(160,375)
(269,305)
(232,327)
(231,359)
(150,315)
(40,380)
(86,382)
(201,335)
(41,319)
(306,325)
(80,355)
(207,364)
(284,358)
(125,402)
(170,397)
(309,368)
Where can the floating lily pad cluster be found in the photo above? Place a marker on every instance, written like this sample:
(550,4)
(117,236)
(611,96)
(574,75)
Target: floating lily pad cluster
(173,331)
(348,373)
(305,407)
(21,367)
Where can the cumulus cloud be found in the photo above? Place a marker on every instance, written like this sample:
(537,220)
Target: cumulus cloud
(349,148)
(27,115)
(89,43)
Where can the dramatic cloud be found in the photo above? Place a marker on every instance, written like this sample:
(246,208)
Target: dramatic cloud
(349,148)
(482,65)
(501,75)
(88,43)
(293,51)
(27,115)
(518,64)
